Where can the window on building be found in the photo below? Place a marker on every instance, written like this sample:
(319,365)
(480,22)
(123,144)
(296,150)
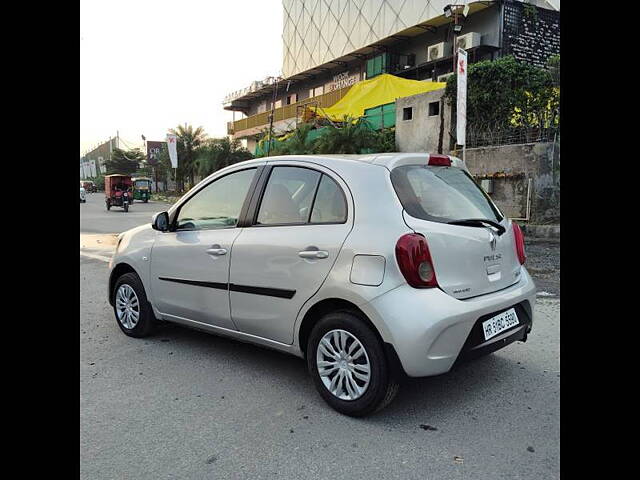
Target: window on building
(434,109)
(407,113)
(377,65)
(293,98)
(314,92)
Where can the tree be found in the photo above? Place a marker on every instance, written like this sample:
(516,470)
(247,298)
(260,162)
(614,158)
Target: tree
(352,136)
(164,170)
(124,161)
(217,153)
(506,94)
(189,139)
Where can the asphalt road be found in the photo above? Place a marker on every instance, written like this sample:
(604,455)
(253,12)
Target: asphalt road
(187,405)
(94,217)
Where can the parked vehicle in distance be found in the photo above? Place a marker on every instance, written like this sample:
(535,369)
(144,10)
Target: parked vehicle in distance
(89,186)
(83,194)
(118,191)
(371,267)
(141,189)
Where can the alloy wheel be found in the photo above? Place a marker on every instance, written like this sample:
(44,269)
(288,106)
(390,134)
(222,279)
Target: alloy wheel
(343,364)
(127,306)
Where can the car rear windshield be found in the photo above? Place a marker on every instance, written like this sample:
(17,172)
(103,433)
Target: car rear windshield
(441,194)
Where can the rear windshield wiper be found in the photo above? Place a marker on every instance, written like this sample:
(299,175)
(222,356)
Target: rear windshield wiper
(478,222)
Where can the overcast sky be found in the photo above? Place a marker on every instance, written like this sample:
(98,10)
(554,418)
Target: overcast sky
(150,65)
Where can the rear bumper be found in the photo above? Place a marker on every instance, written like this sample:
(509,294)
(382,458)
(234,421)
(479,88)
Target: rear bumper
(430,331)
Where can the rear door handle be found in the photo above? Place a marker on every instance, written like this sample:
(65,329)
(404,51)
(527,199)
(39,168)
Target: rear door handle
(313,254)
(217,250)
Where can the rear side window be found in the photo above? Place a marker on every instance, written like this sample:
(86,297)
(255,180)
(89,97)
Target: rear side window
(441,194)
(288,196)
(301,196)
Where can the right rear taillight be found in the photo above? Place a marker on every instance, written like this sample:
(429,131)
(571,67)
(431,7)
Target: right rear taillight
(414,260)
(519,239)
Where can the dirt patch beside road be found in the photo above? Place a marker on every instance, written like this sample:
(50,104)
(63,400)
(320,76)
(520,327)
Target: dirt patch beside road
(543,264)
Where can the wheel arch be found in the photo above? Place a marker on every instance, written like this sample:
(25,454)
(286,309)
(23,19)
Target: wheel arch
(119,270)
(327,305)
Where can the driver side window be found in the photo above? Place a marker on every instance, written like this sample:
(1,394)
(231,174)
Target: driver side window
(218,204)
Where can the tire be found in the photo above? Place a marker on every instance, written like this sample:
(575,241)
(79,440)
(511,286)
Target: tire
(381,388)
(108,205)
(146,200)
(146,322)
(126,207)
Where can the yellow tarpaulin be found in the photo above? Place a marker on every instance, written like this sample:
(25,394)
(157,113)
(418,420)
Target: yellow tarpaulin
(376,91)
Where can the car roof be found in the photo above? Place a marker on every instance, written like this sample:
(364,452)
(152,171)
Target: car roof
(388,160)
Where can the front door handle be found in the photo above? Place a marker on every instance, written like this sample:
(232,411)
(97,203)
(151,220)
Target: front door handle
(313,254)
(217,250)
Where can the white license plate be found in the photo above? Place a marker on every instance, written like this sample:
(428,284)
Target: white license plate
(499,323)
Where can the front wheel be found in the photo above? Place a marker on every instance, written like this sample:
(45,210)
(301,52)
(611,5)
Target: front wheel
(108,205)
(133,312)
(348,365)
(126,207)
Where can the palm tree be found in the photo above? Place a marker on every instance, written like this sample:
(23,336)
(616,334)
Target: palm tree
(189,139)
(352,136)
(299,143)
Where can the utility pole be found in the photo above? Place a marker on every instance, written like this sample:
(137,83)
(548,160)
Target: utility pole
(273,109)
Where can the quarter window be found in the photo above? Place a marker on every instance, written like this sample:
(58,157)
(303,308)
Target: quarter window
(218,204)
(330,205)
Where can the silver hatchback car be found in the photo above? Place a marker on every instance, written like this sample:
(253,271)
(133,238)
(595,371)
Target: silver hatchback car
(372,268)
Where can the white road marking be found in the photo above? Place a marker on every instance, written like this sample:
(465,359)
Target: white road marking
(95,256)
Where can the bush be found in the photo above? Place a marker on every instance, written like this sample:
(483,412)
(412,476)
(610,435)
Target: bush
(506,94)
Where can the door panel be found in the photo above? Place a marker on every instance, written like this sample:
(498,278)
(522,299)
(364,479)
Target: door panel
(189,282)
(190,265)
(269,258)
(282,259)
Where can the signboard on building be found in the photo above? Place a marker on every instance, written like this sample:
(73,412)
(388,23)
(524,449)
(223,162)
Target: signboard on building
(461,118)
(153,151)
(92,168)
(342,80)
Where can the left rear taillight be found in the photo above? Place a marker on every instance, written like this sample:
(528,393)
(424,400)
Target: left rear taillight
(519,240)
(414,260)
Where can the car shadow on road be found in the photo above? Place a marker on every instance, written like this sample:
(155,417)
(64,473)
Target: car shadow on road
(455,391)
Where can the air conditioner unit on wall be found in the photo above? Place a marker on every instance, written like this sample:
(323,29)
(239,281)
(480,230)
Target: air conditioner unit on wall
(439,50)
(468,40)
(443,78)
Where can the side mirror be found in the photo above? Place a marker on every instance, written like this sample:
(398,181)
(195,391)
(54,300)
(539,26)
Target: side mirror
(160,221)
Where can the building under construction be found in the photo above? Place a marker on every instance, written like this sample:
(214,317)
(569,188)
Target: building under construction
(330,46)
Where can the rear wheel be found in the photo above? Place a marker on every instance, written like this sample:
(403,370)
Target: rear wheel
(126,207)
(133,312)
(347,363)
(108,204)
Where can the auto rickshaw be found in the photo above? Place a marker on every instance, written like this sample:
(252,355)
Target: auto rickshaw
(141,189)
(118,191)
